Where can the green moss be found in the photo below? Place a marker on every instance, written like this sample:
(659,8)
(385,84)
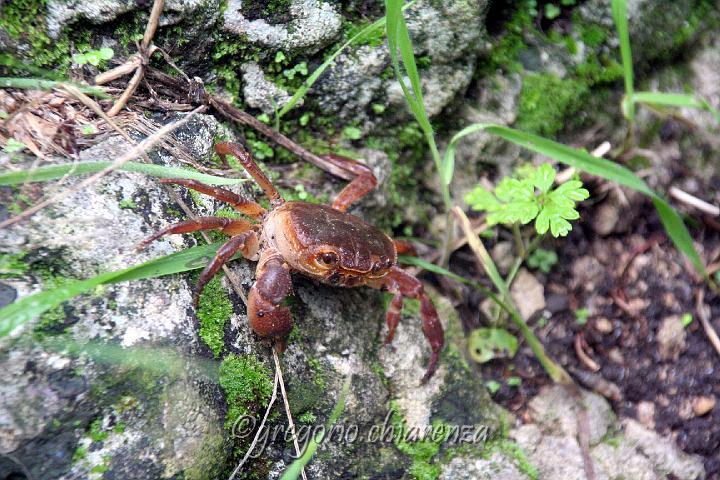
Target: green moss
(247,385)
(546,101)
(102,468)
(128,203)
(512,450)
(12,265)
(593,35)
(319,379)
(373,39)
(80,454)
(24,20)
(307,417)
(424,453)
(504,54)
(196,198)
(214,309)
(97,434)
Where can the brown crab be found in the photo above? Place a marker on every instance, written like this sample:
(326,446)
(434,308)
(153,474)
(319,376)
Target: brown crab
(319,241)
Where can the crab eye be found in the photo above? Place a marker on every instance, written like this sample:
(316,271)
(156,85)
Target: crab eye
(328,258)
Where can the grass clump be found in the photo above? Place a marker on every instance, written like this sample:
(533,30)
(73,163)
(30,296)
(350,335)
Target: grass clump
(247,385)
(213,311)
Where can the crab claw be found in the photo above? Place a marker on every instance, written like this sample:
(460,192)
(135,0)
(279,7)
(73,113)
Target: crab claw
(404,285)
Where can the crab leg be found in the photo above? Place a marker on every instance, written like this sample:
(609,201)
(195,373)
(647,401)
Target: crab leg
(246,243)
(405,247)
(363,182)
(268,317)
(404,285)
(230,226)
(247,207)
(237,151)
(392,317)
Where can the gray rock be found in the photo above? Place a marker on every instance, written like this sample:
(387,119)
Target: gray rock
(496,467)
(60,13)
(662,452)
(528,293)
(618,450)
(313,24)
(555,411)
(129,389)
(671,338)
(261,93)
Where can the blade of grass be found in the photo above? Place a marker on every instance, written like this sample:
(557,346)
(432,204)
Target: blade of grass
(399,39)
(293,472)
(40,84)
(675,100)
(582,160)
(361,35)
(27,308)
(52,172)
(619,13)
(555,371)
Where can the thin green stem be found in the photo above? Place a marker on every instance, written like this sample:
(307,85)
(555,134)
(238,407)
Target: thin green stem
(520,260)
(519,244)
(555,371)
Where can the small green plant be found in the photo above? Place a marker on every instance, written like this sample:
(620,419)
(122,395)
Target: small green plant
(13,146)
(582,315)
(300,68)
(686,319)
(94,57)
(89,129)
(529,196)
(514,381)
(552,11)
(493,386)
(352,133)
(542,260)
(485,344)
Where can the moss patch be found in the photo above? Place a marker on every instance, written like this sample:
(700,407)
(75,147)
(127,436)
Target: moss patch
(422,453)
(213,312)
(247,385)
(24,22)
(512,450)
(545,102)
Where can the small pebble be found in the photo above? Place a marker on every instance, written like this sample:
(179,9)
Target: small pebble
(557,302)
(646,414)
(703,405)
(603,325)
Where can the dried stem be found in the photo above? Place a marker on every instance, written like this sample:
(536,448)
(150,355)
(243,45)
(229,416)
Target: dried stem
(146,51)
(554,370)
(287,409)
(703,312)
(260,429)
(134,153)
(245,118)
(130,65)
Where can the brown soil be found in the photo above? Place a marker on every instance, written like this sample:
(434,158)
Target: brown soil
(630,282)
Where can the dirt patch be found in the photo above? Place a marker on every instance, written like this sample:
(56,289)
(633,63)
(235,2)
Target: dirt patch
(637,288)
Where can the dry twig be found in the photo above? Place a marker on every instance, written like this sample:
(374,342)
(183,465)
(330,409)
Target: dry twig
(693,201)
(134,153)
(287,409)
(260,428)
(703,312)
(136,63)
